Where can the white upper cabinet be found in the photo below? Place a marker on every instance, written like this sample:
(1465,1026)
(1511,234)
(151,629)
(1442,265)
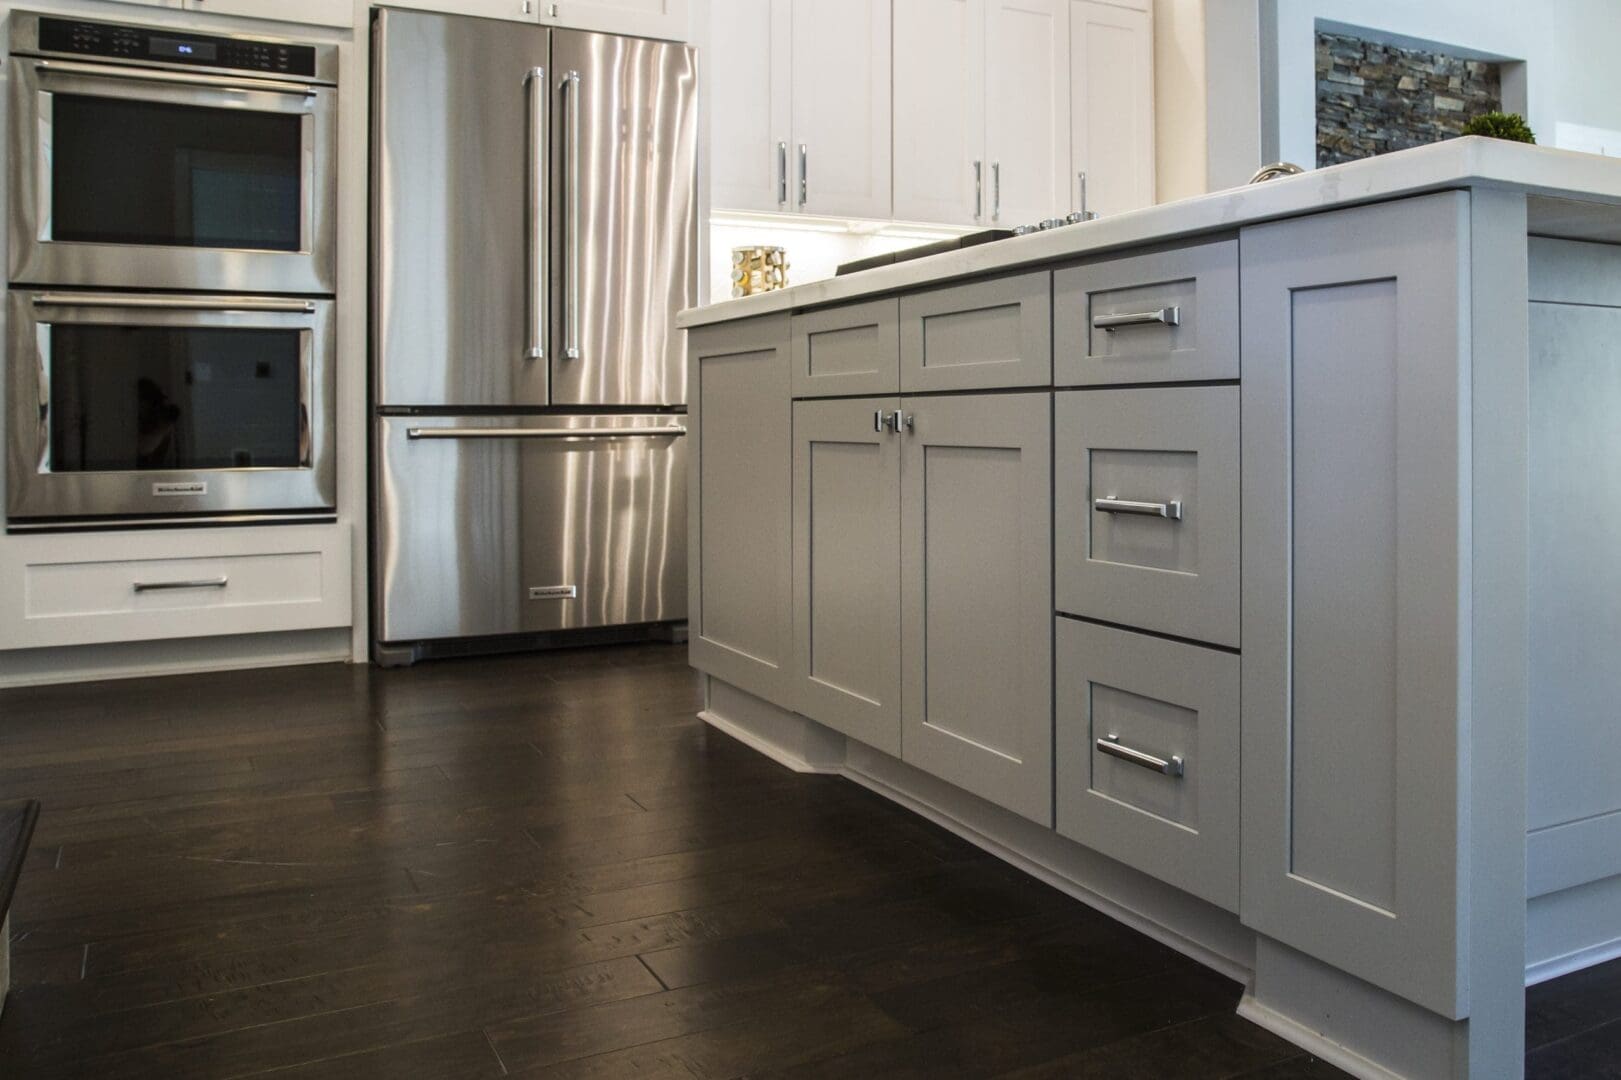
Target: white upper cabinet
(1111,105)
(799,94)
(308,12)
(1027,64)
(841,107)
(940,161)
(746,68)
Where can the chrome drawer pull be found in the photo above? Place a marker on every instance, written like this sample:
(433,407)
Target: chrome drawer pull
(171,586)
(1110,745)
(545,433)
(1171,511)
(1168,316)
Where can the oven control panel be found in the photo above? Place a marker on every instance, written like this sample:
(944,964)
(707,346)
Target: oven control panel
(175,47)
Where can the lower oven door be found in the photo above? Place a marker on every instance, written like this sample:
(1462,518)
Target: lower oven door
(135,406)
(492,525)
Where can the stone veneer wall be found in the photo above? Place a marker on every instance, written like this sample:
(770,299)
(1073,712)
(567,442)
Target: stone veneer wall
(1374,98)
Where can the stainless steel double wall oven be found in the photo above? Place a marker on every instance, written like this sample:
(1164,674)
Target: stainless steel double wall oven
(170,343)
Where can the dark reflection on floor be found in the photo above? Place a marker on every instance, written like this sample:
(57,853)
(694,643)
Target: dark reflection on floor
(545,866)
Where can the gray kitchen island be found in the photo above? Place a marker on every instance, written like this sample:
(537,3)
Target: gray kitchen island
(1244,566)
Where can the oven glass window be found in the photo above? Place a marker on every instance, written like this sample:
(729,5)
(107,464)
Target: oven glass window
(142,172)
(148,397)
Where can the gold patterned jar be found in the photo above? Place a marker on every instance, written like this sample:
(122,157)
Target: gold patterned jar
(758,270)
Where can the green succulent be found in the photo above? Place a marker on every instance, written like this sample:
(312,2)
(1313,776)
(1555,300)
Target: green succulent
(1501,125)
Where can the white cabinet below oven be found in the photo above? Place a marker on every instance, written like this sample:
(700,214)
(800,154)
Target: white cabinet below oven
(61,589)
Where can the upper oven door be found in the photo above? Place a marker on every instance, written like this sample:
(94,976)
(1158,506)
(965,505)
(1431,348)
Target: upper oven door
(128,405)
(132,177)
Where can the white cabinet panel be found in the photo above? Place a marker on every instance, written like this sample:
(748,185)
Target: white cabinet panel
(940,165)
(1112,105)
(1027,110)
(142,586)
(847,555)
(976,596)
(747,66)
(841,107)
(520,10)
(309,12)
(667,19)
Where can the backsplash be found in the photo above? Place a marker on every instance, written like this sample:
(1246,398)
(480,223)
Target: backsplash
(1373,98)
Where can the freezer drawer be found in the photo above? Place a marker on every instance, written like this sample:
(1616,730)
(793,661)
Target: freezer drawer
(506,525)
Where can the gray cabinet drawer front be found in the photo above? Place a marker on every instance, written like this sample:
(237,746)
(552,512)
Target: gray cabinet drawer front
(1168,702)
(982,336)
(1146,508)
(854,349)
(1163,316)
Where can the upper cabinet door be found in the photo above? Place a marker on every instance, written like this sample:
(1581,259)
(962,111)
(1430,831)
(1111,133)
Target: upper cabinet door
(309,12)
(519,10)
(841,107)
(1027,111)
(941,172)
(666,19)
(746,68)
(1111,105)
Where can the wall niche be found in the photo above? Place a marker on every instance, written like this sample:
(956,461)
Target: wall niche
(1374,97)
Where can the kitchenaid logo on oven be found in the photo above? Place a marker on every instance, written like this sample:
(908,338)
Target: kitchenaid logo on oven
(189,487)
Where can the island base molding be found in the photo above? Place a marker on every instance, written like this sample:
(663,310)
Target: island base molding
(1351,1024)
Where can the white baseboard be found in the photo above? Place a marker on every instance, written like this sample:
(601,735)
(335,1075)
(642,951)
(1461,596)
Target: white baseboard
(780,754)
(1554,967)
(184,656)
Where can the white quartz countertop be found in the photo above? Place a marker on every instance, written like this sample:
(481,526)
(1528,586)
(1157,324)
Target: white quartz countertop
(1574,195)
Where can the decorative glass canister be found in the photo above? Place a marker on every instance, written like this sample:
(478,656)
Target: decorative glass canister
(758,269)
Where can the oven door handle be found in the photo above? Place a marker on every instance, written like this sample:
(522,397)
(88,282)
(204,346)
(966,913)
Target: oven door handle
(180,78)
(173,303)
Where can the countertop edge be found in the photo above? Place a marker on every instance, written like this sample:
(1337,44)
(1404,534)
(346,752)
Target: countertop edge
(1458,163)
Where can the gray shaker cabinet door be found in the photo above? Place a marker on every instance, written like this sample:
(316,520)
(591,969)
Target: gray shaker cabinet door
(976,596)
(847,566)
(851,349)
(1354,724)
(982,336)
(740,457)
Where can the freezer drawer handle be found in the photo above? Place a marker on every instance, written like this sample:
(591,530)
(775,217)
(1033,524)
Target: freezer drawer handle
(96,71)
(1110,745)
(1170,316)
(173,303)
(1171,511)
(172,586)
(544,433)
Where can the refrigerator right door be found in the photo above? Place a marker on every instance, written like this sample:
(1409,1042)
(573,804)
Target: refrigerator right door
(624,218)
(459,171)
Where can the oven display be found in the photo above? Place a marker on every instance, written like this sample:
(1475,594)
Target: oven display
(169,48)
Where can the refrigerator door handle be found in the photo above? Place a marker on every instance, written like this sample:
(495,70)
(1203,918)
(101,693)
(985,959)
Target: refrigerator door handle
(538,243)
(571,285)
(545,433)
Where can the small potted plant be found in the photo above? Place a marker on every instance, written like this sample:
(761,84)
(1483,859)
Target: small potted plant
(1501,125)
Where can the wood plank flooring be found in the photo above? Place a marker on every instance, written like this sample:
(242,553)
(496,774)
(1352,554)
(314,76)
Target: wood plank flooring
(545,866)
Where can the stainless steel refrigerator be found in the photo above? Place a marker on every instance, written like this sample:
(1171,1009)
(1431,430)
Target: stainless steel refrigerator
(534,232)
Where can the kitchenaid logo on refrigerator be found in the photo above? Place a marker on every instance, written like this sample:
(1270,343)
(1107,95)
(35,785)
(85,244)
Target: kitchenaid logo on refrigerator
(553,592)
(190,487)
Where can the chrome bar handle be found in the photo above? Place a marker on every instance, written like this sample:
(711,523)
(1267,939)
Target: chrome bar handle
(173,586)
(182,78)
(539,244)
(1110,744)
(782,174)
(996,191)
(979,190)
(1171,511)
(173,303)
(571,287)
(893,422)
(1166,316)
(545,433)
(804,174)
(878,421)
(1083,214)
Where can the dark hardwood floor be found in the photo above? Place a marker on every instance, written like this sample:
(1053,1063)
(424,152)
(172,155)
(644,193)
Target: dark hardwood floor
(547,867)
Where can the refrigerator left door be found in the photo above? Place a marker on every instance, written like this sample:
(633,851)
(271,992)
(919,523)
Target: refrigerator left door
(459,225)
(516,524)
